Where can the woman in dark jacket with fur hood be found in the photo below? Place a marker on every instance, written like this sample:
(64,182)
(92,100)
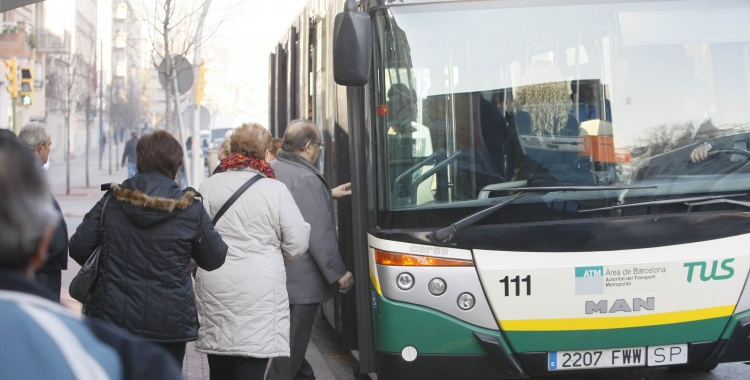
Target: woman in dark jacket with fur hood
(151,231)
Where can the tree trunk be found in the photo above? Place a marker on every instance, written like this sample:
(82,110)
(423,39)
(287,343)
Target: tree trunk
(88,148)
(67,155)
(168,70)
(117,149)
(111,128)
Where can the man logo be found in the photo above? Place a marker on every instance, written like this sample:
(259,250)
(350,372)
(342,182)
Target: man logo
(620,305)
(589,280)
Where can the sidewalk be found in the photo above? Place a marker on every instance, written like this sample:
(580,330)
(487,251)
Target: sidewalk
(81,199)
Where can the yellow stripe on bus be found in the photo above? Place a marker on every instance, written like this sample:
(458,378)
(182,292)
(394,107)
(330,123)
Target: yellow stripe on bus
(604,323)
(375,283)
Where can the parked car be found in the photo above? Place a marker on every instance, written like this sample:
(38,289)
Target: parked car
(218,135)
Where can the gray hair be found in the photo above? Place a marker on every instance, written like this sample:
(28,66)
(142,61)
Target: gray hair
(33,133)
(298,134)
(26,208)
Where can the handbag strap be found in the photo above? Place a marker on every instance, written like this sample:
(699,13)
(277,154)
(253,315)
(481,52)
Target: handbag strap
(104,210)
(234,197)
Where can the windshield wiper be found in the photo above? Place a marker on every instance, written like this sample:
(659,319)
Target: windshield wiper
(690,201)
(441,234)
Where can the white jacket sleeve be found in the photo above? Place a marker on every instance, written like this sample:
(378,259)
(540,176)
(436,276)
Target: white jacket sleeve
(295,232)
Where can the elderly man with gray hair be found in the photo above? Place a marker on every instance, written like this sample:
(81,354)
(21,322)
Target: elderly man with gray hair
(39,338)
(320,272)
(35,136)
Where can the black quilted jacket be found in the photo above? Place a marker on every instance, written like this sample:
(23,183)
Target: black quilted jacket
(151,230)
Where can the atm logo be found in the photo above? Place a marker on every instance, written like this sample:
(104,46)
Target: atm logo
(726,271)
(589,280)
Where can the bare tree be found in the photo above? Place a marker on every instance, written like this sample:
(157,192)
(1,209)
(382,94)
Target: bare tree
(63,91)
(85,101)
(171,26)
(127,108)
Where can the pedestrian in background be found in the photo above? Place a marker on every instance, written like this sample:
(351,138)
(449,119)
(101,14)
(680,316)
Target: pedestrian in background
(275,146)
(40,339)
(129,154)
(243,307)
(35,136)
(224,152)
(320,272)
(151,230)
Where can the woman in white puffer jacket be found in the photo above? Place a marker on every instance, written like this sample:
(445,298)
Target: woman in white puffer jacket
(243,307)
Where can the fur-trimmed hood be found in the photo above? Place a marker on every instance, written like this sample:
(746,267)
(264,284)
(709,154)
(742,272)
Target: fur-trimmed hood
(139,199)
(151,198)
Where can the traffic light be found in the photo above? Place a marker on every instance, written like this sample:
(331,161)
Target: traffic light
(12,75)
(201,84)
(27,86)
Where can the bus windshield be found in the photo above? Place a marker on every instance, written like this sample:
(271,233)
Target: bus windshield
(473,98)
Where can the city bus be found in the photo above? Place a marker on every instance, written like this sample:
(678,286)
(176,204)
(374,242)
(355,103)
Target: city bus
(539,187)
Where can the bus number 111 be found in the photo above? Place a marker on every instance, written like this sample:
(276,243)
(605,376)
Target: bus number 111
(517,280)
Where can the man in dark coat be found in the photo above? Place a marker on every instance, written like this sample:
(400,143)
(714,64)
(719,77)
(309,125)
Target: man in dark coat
(319,273)
(128,154)
(35,136)
(39,339)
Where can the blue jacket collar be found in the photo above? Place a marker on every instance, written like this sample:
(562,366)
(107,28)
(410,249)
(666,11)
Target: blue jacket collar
(17,282)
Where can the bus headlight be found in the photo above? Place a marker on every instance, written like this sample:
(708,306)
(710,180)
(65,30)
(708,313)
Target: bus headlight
(436,286)
(465,301)
(405,281)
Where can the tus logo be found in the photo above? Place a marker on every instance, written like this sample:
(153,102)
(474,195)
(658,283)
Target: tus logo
(727,273)
(589,280)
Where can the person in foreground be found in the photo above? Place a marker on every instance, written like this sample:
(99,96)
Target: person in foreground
(39,339)
(243,307)
(320,272)
(151,231)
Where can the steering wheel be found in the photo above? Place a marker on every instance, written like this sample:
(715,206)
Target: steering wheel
(740,152)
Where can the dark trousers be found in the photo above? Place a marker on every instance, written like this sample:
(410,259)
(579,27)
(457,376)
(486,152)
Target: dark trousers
(176,350)
(296,367)
(51,281)
(224,367)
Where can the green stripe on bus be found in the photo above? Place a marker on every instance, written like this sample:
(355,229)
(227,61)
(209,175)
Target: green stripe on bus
(399,324)
(698,331)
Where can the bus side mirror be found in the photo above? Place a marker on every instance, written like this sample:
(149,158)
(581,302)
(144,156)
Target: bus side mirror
(352,46)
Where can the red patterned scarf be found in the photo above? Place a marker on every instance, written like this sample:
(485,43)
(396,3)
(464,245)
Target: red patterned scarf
(238,160)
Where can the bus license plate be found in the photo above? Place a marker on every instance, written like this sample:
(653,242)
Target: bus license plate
(668,355)
(609,358)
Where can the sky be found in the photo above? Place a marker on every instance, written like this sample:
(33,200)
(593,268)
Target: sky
(248,35)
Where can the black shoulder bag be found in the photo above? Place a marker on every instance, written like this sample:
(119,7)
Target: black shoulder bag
(82,286)
(234,197)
